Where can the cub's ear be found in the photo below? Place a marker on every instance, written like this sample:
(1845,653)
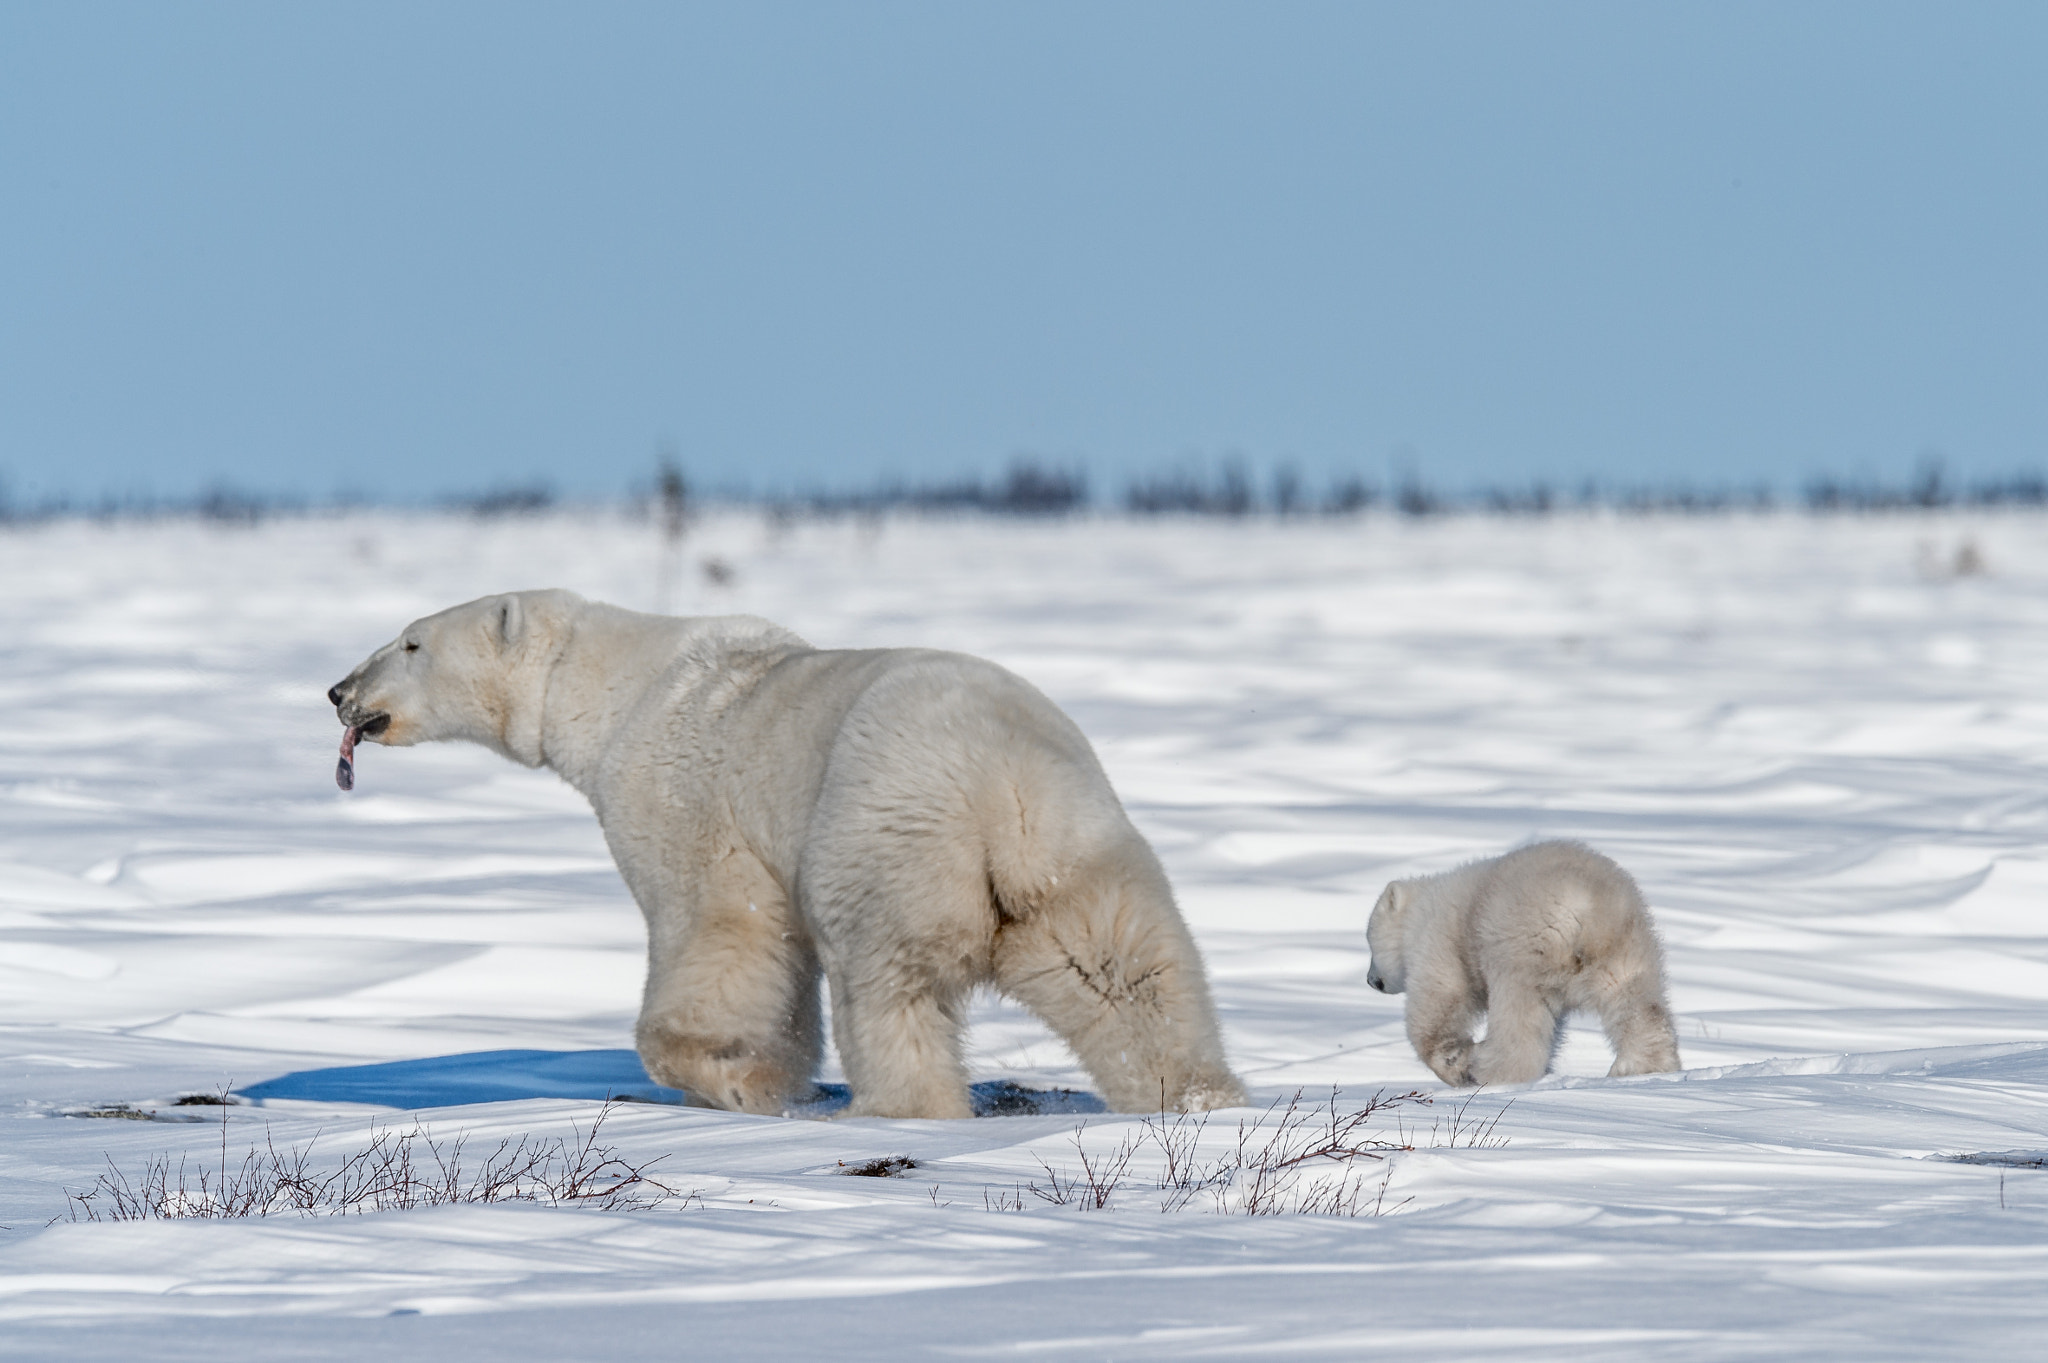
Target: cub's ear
(511,621)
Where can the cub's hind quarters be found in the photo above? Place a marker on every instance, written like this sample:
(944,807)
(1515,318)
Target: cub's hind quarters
(1521,940)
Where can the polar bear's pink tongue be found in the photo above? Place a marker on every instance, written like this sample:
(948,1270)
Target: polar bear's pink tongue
(345,769)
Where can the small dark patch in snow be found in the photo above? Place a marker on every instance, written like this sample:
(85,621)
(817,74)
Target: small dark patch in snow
(204,1100)
(130,1112)
(2004,1159)
(1008,1098)
(991,1098)
(882,1166)
(120,1112)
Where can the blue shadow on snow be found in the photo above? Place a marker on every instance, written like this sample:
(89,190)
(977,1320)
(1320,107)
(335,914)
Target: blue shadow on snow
(507,1076)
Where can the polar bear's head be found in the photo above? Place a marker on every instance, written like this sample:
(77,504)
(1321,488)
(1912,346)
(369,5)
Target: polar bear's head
(476,672)
(1388,971)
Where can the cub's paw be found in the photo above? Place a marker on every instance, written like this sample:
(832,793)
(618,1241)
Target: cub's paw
(1453,1064)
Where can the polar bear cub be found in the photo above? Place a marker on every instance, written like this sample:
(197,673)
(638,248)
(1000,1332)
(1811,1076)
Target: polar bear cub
(1523,939)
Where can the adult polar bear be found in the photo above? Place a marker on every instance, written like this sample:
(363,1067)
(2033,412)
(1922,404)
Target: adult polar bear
(915,822)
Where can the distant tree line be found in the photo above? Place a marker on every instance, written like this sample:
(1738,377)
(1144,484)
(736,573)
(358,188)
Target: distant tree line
(1027,488)
(1928,489)
(1030,488)
(226,504)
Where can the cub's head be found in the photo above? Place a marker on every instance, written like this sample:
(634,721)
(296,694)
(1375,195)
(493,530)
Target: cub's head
(476,672)
(1388,972)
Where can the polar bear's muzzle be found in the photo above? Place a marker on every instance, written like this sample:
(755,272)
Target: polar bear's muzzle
(366,723)
(369,723)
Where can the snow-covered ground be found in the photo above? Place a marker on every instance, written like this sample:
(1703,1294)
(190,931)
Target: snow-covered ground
(1819,749)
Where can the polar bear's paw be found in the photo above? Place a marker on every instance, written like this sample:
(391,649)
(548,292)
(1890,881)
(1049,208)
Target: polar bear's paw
(1451,1060)
(1208,1092)
(717,1073)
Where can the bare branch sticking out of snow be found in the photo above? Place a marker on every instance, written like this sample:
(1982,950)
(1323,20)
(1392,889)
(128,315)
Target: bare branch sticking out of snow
(393,1171)
(1304,1159)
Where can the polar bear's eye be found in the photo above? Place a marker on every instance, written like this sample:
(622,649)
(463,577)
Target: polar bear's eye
(411,647)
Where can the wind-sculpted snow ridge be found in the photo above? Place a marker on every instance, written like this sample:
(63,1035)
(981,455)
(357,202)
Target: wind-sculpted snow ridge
(1823,762)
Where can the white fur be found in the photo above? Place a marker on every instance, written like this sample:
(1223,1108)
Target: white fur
(913,823)
(1523,939)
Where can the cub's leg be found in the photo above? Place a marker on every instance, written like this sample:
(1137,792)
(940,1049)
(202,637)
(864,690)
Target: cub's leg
(1639,1027)
(1440,1019)
(730,1014)
(1105,960)
(1521,1033)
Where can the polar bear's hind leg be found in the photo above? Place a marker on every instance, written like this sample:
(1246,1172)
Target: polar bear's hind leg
(1107,963)
(1521,1033)
(1627,991)
(901,959)
(1639,1027)
(900,1044)
(902,910)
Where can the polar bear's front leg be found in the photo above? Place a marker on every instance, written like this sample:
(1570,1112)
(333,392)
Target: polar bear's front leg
(730,1015)
(1440,1028)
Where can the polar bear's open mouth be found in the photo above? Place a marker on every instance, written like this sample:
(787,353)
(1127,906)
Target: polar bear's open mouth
(345,768)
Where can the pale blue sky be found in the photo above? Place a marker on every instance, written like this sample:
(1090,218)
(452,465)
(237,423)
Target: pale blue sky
(400,249)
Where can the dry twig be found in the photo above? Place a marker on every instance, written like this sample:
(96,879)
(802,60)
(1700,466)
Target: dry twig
(391,1172)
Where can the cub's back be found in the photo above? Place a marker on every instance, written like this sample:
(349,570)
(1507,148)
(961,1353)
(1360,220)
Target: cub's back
(1561,902)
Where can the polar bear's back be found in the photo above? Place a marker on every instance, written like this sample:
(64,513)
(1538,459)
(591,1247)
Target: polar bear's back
(1558,909)
(937,758)
(900,711)
(931,729)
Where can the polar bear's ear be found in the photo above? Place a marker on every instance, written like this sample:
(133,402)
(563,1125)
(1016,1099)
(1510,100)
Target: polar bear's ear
(1388,906)
(511,621)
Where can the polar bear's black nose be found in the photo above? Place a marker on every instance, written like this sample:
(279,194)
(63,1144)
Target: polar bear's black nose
(334,695)
(1377,983)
